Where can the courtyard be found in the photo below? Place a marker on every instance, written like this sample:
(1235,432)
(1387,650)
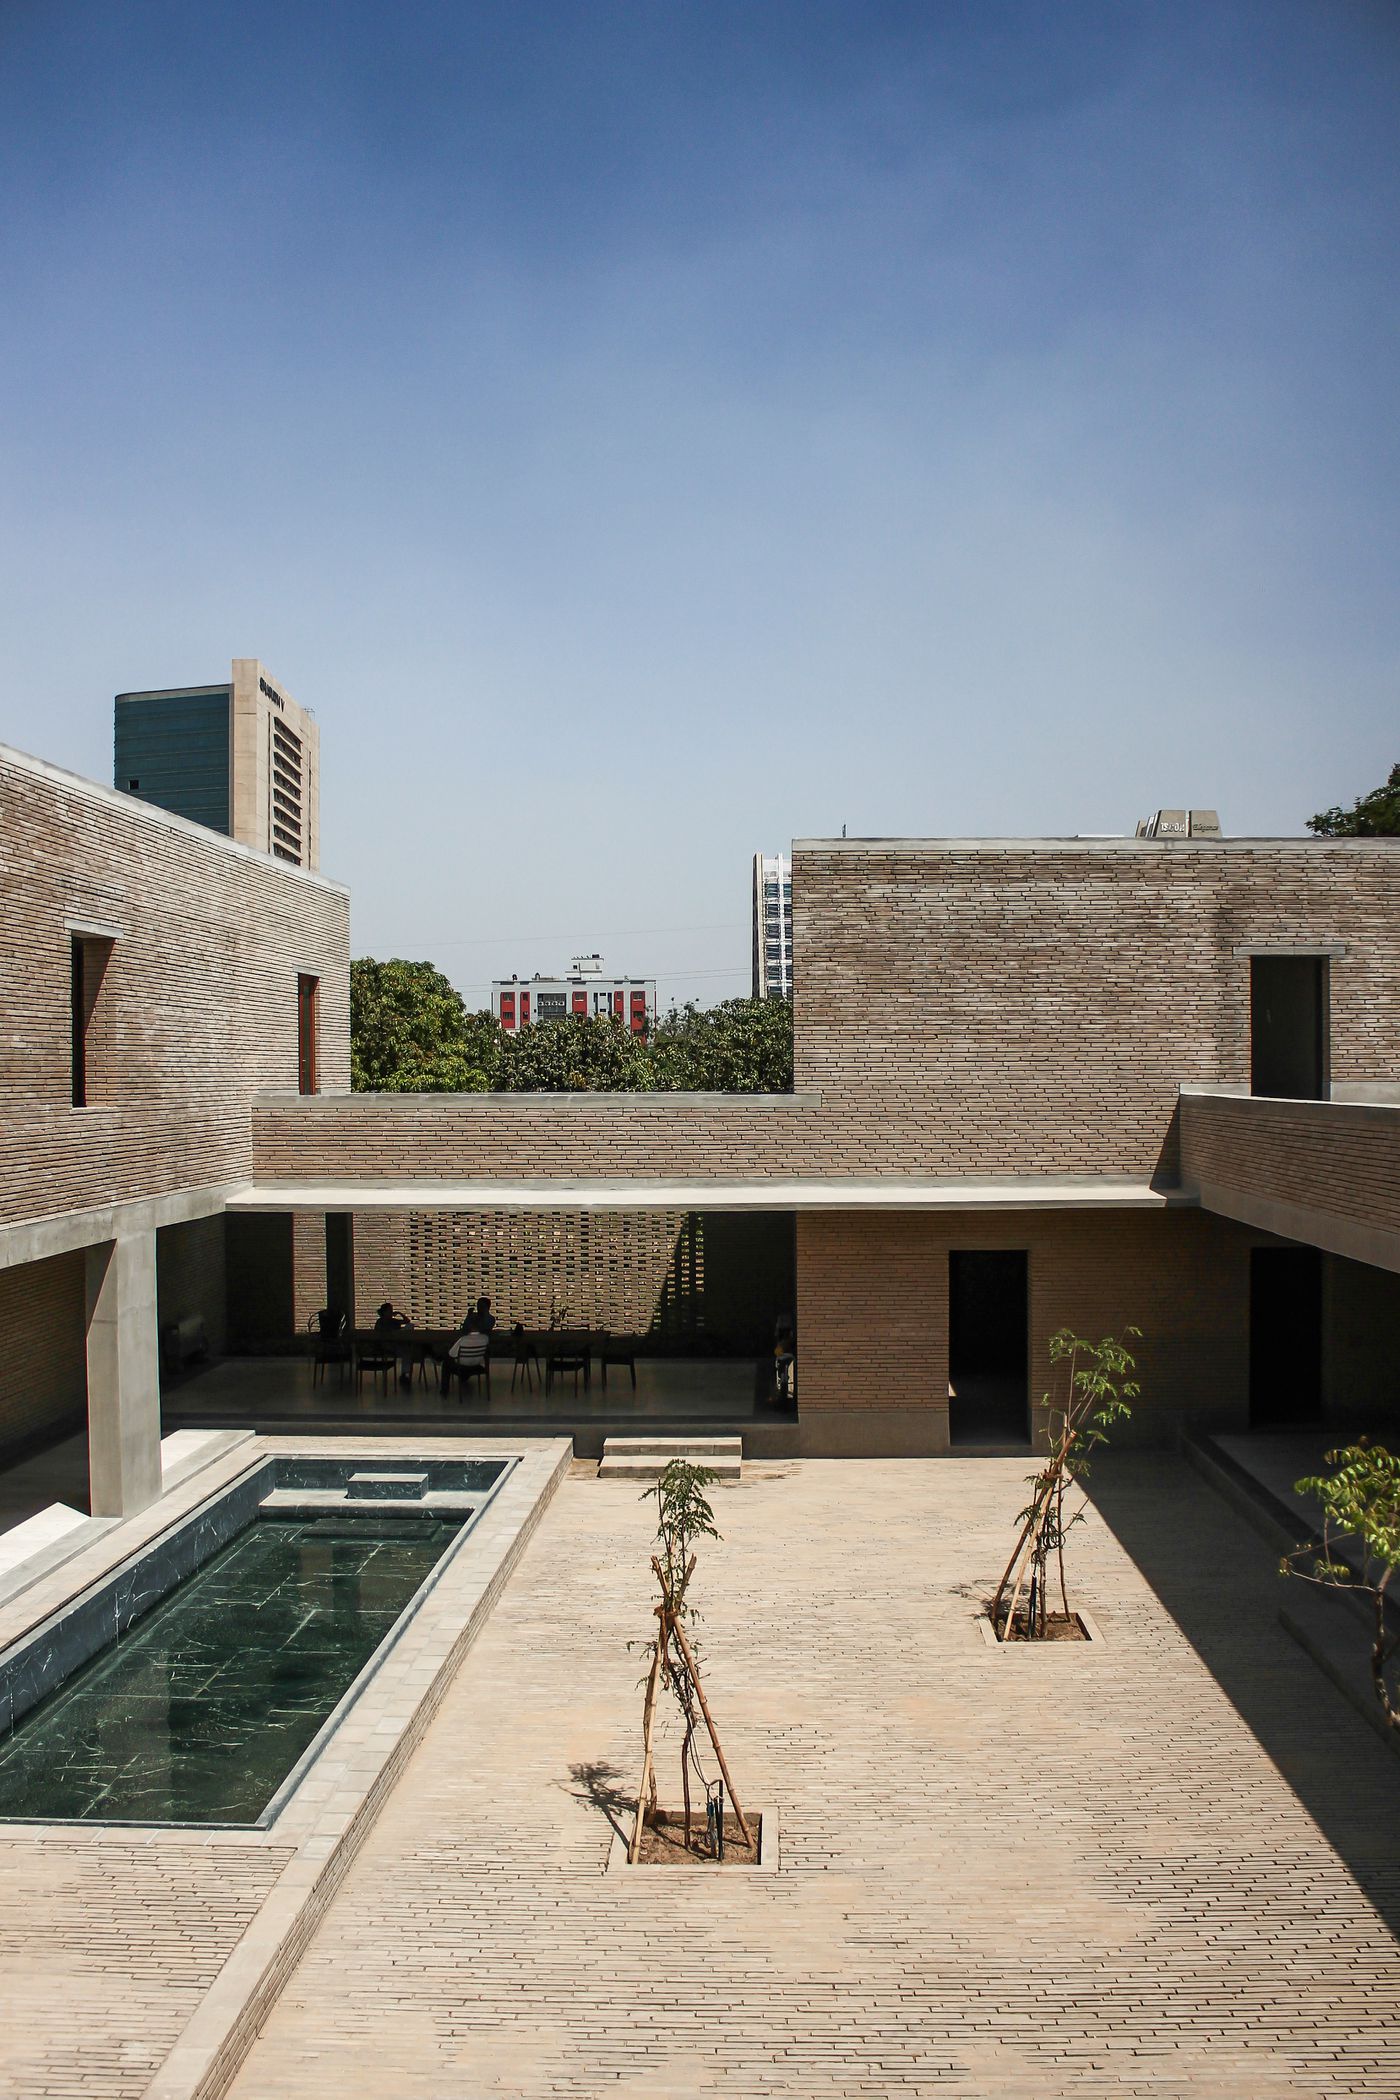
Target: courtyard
(1164,1863)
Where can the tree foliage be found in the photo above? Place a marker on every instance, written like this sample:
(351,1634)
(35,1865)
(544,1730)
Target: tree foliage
(411,1032)
(1360,1501)
(1373,816)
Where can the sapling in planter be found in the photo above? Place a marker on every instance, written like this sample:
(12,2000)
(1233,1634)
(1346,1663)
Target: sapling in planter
(1099,1388)
(683,1516)
(1360,1501)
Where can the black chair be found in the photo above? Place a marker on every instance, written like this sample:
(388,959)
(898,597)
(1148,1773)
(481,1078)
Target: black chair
(332,1344)
(567,1352)
(618,1349)
(525,1356)
(378,1356)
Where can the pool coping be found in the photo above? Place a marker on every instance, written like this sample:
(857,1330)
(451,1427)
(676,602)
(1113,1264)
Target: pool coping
(327,1817)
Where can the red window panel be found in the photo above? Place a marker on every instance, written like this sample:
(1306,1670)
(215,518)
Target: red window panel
(639,1012)
(581,1003)
(524,1009)
(507,1009)
(617,1004)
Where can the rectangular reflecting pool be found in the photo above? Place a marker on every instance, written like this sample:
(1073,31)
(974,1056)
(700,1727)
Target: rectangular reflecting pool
(203,1706)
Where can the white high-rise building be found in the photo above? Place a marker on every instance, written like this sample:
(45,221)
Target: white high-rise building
(772,926)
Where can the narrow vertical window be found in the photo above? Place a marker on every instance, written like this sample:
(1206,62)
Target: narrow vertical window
(307,990)
(80,1020)
(89,956)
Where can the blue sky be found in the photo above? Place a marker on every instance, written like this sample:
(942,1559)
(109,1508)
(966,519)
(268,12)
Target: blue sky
(649,432)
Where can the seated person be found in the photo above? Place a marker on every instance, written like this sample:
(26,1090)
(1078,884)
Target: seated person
(468,1353)
(387,1323)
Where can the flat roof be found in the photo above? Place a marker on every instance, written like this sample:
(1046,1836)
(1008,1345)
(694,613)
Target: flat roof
(1095,842)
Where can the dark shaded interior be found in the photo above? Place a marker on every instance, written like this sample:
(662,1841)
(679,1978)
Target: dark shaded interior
(988,1399)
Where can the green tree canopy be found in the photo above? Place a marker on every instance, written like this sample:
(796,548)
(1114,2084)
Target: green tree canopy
(411,1033)
(581,1052)
(1373,816)
(741,1046)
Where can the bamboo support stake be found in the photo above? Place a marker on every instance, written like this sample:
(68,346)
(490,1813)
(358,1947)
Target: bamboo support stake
(714,1738)
(648,1721)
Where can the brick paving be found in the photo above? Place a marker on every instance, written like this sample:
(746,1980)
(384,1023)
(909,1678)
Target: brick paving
(1160,1866)
(107,1945)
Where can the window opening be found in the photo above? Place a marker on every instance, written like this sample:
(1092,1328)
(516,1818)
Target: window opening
(88,967)
(307,1002)
(1288,1026)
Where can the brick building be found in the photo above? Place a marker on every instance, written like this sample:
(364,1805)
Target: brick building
(1146,1080)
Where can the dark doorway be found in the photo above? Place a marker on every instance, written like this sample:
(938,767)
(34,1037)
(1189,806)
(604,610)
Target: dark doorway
(1285,1336)
(987,1320)
(340,1264)
(1288,1026)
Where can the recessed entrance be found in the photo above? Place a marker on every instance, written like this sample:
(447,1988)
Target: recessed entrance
(987,1321)
(1285,1336)
(1288,1026)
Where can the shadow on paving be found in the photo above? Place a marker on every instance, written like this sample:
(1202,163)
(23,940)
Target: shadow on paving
(1218,1580)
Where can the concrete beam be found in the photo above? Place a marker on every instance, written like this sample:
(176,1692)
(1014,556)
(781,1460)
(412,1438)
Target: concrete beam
(1353,1238)
(889,1192)
(36,1239)
(123,1376)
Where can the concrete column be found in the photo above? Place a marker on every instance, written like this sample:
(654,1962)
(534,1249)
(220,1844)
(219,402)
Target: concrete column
(123,1376)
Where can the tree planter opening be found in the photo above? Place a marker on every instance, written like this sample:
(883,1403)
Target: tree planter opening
(662,1845)
(1056,1627)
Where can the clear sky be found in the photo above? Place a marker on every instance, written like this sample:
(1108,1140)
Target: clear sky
(647,432)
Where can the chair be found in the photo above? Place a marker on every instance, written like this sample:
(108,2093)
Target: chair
(618,1349)
(332,1344)
(379,1357)
(469,1357)
(567,1352)
(526,1358)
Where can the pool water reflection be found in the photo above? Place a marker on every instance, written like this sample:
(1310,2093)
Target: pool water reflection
(198,1713)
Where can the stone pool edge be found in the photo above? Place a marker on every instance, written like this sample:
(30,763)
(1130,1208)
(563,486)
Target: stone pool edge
(329,1824)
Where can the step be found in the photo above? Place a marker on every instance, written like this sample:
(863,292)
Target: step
(386,1487)
(669,1447)
(646,1458)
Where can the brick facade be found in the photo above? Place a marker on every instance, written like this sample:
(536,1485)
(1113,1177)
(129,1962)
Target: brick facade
(1034,1007)
(1328,1171)
(197,1005)
(962,1011)
(873,1316)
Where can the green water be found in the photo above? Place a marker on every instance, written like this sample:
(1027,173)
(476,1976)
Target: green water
(199,1712)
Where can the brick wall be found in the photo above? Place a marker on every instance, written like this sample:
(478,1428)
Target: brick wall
(873,1315)
(1335,1160)
(197,1006)
(961,1011)
(1015,1007)
(43,1363)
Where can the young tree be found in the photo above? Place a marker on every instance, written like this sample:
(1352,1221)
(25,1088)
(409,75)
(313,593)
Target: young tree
(1360,1500)
(1373,816)
(684,1515)
(1099,1390)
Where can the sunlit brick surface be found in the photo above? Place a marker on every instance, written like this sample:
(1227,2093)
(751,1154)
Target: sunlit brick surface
(1157,1867)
